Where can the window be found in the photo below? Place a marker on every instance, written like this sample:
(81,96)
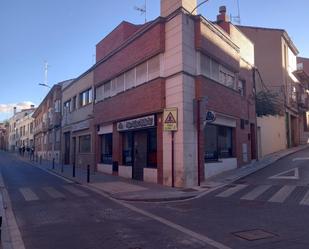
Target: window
(66,106)
(73,104)
(85,97)
(154,68)
(57,105)
(57,136)
(218,142)
(107,148)
(241,87)
(99,93)
(227,78)
(107,90)
(152,148)
(85,144)
(141,74)
(127,152)
(130,79)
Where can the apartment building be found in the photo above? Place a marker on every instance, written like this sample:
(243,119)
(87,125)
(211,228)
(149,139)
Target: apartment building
(179,60)
(4,136)
(17,132)
(276,61)
(77,121)
(25,126)
(47,125)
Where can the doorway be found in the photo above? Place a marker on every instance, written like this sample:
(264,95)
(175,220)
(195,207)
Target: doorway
(67,148)
(140,154)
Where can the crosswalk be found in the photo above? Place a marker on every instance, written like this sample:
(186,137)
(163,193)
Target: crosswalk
(35,194)
(268,193)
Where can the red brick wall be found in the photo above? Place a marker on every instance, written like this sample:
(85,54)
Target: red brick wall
(147,98)
(114,39)
(148,44)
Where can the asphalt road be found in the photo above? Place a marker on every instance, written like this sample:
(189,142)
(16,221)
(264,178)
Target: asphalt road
(52,213)
(266,210)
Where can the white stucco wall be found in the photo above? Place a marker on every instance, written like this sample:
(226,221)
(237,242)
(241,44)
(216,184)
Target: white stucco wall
(215,168)
(272,137)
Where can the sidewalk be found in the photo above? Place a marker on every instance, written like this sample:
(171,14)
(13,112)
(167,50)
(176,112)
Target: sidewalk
(131,190)
(236,174)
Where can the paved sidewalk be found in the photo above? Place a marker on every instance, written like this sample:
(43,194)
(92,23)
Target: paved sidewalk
(236,174)
(131,190)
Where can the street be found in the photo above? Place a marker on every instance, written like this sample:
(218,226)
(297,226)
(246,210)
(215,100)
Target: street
(268,209)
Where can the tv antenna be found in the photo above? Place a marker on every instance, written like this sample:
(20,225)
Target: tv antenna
(142,10)
(236,19)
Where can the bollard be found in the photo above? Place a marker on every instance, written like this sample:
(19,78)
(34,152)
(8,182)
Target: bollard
(88,173)
(53,163)
(73,169)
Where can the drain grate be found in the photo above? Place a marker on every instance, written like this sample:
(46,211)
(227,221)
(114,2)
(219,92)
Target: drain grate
(256,234)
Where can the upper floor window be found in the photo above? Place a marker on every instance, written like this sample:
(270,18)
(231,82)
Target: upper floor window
(66,106)
(85,97)
(73,104)
(217,72)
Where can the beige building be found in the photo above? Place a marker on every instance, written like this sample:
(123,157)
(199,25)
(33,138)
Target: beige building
(77,121)
(276,61)
(25,126)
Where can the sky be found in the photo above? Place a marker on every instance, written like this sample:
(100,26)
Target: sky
(64,33)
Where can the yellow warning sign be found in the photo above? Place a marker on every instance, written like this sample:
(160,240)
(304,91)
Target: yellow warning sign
(170,119)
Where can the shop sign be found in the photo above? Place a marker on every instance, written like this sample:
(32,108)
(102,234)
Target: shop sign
(170,119)
(139,123)
(81,126)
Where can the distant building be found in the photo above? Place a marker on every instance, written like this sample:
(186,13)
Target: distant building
(77,121)
(179,60)
(19,129)
(4,136)
(47,125)
(276,60)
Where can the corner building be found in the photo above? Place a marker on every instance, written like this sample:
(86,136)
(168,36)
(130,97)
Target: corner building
(178,60)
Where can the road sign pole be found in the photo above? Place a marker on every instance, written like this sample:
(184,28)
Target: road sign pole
(173,167)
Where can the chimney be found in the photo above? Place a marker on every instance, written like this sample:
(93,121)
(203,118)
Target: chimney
(169,6)
(223,20)
(14,110)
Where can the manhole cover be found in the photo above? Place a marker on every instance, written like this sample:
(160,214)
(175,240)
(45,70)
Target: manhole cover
(255,234)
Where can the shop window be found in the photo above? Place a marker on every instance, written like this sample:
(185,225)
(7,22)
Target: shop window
(152,149)
(107,148)
(85,144)
(127,152)
(218,142)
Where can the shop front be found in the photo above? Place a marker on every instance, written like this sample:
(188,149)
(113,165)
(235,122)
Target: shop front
(129,148)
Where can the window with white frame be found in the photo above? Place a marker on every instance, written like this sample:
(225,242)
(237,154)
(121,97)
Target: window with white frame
(141,74)
(130,79)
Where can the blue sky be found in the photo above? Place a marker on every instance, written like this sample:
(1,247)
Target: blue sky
(65,32)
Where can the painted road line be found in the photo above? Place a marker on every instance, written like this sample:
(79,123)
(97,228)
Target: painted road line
(206,240)
(52,192)
(286,175)
(282,194)
(305,200)
(252,195)
(232,190)
(28,194)
(76,191)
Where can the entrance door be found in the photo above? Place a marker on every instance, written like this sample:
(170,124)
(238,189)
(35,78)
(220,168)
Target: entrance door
(67,148)
(140,155)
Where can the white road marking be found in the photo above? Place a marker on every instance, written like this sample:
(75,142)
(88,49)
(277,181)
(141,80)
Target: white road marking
(168,223)
(282,194)
(76,191)
(52,192)
(283,175)
(232,190)
(252,195)
(305,200)
(28,194)
(300,159)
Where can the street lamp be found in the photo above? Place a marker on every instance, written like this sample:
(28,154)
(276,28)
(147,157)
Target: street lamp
(44,84)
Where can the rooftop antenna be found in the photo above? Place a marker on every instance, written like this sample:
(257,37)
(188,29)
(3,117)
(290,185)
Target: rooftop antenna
(142,10)
(236,19)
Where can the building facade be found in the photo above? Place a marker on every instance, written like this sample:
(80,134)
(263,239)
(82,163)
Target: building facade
(4,128)
(179,60)
(18,123)
(77,121)
(47,125)
(276,61)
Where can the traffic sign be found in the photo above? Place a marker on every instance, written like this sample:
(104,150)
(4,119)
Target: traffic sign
(170,119)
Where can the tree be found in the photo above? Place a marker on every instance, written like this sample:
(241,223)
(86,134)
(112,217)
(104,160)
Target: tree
(267,103)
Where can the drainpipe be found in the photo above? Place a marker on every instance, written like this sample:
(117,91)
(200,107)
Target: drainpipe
(256,127)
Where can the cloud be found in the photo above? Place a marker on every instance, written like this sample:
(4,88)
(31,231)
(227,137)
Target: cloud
(8,108)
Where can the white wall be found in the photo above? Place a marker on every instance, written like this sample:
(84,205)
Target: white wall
(273,134)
